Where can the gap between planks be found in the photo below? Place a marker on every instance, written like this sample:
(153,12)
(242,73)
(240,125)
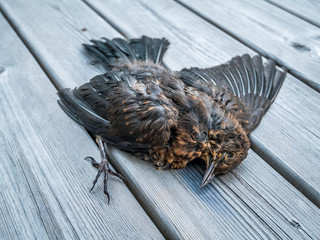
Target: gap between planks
(306,187)
(293,8)
(250,44)
(42,163)
(255,213)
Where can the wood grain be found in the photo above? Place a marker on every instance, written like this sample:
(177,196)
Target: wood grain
(289,132)
(44,187)
(306,9)
(269,30)
(252,202)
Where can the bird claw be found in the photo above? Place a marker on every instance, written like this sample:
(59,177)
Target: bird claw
(103,167)
(93,161)
(118,175)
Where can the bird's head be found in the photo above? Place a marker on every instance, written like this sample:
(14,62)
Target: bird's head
(229,146)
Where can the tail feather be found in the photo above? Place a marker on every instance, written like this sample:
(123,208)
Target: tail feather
(159,48)
(142,47)
(98,55)
(111,52)
(124,46)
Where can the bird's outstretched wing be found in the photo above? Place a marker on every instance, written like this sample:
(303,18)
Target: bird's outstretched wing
(128,113)
(244,84)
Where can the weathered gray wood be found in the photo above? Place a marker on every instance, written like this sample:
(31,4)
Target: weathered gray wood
(269,30)
(306,9)
(252,202)
(44,187)
(197,43)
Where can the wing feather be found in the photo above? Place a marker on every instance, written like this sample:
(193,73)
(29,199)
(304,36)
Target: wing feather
(254,84)
(128,113)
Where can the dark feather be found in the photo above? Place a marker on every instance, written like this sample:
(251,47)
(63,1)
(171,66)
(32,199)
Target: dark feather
(149,48)
(81,112)
(112,52)
(173,117)
(256,85)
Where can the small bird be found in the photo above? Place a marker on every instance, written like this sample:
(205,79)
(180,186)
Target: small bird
(171,117)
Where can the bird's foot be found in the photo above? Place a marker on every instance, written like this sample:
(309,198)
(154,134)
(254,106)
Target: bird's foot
(98,165)
(104,168)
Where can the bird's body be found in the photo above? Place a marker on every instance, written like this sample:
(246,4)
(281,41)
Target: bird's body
(172,118)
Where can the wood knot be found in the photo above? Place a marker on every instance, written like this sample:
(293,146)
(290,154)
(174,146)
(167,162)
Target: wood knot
(300,47)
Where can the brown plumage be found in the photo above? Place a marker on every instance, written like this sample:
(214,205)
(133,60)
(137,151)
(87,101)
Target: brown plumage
(172,118)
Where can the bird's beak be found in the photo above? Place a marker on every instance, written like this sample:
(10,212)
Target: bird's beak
(209,174)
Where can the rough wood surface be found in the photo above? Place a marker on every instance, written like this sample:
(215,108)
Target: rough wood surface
(252,202)
(306,9)
(270,31)
(289,134)
(44,187)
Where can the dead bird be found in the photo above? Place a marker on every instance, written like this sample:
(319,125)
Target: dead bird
(171,117)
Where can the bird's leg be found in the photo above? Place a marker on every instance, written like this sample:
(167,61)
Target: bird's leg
(103,167)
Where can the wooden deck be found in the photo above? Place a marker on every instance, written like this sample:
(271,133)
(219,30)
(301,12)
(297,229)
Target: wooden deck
(44,187)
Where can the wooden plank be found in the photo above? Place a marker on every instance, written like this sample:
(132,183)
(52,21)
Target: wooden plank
(197,43)
(306,9)
(44,189)
(268,30)
(252,202)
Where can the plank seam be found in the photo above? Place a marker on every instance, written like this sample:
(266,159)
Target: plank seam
(58,87)
(30,49)
(162,229)
(293,13)
(256,146)
(250,188)
(252,211)
(113,164)
(155,218)
(285,172)
(109,21)
(169,232)
(257,49)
